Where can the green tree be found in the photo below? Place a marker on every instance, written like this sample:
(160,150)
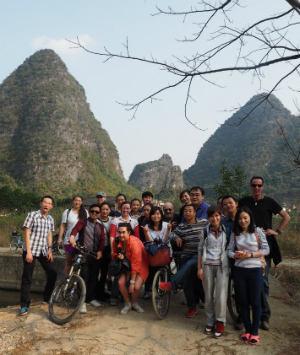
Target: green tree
(233,181)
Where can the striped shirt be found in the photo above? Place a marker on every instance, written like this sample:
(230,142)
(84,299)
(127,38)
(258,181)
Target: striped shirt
(190,234)
(40,227)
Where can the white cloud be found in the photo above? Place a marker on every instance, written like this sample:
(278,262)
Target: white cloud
(60,46)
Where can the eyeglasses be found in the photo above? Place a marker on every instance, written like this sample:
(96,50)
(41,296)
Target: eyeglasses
(168,210)
(254,185)
(93,211)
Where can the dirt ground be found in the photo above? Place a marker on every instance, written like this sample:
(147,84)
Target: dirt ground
(104,331)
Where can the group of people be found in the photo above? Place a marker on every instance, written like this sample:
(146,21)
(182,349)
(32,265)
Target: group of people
(211,239)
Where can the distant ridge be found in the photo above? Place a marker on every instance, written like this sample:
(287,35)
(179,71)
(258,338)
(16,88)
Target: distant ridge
(256,145)
(50,139)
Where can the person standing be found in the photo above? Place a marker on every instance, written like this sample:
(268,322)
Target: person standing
(185,199)
(38,228)
(120,198)
(101,197)
(263,208)
(197,199)
(170,216)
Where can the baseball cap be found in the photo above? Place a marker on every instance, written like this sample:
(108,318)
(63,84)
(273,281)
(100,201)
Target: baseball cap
(101,193)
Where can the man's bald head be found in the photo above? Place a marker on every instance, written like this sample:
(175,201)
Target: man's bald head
(168,209)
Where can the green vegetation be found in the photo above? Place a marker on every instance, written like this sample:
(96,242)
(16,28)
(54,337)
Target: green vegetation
(233,182)
(255,145)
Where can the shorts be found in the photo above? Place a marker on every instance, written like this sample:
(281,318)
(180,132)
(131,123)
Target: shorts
(69,249)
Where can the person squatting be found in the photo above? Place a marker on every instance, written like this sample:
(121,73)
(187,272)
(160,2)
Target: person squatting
(210,240)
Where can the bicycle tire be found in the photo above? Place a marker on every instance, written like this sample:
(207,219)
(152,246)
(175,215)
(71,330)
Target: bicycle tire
(60,249)
(14,244)
(231,299)
(54,245)
(160,298)
(67,299)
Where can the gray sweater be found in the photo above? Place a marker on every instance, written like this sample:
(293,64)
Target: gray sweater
(247,242)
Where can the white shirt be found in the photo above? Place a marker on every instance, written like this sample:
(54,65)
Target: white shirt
(70,223)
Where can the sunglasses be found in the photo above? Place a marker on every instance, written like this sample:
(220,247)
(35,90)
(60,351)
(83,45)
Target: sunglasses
(93,211)
(254,185)
(168,210)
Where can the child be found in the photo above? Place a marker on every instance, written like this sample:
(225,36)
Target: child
(135,205)
(213,271)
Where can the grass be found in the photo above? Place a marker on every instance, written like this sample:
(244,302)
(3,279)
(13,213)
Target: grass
(289,277)
(15,221)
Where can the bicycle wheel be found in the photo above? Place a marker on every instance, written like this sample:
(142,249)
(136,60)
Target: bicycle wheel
(67,299)
(60,249)
(160,298)
(14,244)
(231,299)
(54,245)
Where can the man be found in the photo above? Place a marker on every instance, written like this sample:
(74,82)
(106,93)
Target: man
(92,236)
(197,196)
(101,197)
(147,197)
(230,205)
(120,198)
(38,228)
(263,208)
(187,235)
(170,215)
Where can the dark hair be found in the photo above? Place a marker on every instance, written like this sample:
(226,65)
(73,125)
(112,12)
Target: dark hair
(118,195)
(257,177)
(125,203)
(198,188)
(82,212)
(153,210)
(104,203)
(126,225)
(220,198)
(148,204)
(237,229)
(189,206)
(146,194)
(182,193)
(135,199)
(94,205)
(212,210)
(229,196)
(47,196)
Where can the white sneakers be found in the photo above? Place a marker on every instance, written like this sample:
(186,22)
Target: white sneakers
(137,307)
(128,306)
(83,309)
(94,303)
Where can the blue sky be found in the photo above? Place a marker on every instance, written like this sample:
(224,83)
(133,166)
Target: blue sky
(160,127)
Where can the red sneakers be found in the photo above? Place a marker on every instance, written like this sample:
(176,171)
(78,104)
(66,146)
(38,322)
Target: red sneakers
(191,312)
(219,330)
(165,286)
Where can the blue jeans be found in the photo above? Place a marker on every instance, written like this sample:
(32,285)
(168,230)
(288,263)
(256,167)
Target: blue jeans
(183,279)
(249,284)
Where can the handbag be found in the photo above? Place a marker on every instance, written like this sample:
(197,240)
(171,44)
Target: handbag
(116,266)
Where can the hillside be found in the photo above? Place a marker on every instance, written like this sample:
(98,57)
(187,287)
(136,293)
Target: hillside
(159,176)
(50,139)
(256,145)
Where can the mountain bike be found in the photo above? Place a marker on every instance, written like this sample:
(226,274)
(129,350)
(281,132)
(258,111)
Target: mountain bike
(15,241)
(56,248)
(69,295)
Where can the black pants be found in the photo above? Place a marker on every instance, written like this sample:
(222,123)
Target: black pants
(90,273)
(148,284)
(27,278)
(103,268)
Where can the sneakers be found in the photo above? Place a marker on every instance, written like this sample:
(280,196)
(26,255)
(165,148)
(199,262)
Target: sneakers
(239,325)
(165,286)
(264,324)
(23,311)
(209,329)
(83,309)
(191,312)
(94,303)
(219,329)
(147,295)
(113,302)
(137,307)
(127,307)
(45,302)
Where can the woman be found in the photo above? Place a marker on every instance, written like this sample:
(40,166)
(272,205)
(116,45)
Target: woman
(144,220)
(213,271)
(135,205)
(131,281)
(70,217)
(157,232)
(105,220)
(184,197)
(247,245)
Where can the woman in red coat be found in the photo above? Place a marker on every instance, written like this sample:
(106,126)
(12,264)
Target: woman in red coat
(132,281)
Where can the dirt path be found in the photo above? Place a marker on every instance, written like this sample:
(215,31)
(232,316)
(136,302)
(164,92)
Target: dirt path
(104,331)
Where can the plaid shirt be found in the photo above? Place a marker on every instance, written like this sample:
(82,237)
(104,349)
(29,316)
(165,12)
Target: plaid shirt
(39,229)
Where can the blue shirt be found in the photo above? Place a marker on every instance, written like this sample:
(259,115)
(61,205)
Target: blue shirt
(201,212)
(228,222)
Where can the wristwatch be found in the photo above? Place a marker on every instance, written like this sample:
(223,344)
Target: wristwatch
(278,231)
(251,255)
(132,281)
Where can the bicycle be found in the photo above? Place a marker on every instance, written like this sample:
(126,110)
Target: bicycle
(56,248)
(69,295)
(15,241)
